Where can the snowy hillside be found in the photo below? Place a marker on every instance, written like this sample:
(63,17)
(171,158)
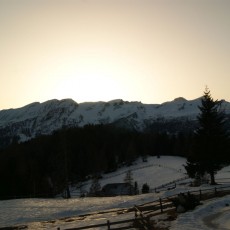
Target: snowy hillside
(64,213)
(43,118)
(155,172)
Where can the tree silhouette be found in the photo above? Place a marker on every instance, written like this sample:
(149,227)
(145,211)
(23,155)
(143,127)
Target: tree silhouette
(128,177)
(210,141)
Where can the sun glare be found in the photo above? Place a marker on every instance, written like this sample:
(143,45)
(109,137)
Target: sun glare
(83,87)
(87,76)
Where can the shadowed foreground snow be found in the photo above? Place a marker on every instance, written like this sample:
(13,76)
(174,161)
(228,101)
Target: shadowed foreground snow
(213,214)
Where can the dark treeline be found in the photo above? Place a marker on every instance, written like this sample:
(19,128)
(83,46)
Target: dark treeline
(43,166)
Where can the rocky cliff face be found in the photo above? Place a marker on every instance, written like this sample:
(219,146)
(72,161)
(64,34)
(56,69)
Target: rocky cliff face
(44,118)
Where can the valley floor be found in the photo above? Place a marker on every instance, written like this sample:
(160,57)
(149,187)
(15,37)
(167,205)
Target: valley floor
(53,213)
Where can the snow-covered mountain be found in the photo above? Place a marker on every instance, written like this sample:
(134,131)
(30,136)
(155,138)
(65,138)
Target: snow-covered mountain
(43,118)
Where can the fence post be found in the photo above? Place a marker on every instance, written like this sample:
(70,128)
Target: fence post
(108,224)
(161,205)
(135,212)
(200,194)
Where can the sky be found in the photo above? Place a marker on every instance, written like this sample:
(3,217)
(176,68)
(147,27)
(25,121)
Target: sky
(151,51)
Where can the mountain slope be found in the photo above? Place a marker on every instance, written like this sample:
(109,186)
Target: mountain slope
(43,118)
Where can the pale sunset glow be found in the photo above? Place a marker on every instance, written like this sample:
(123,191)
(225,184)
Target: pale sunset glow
(99,50)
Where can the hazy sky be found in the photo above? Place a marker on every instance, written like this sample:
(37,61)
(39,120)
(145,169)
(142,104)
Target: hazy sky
(99,50)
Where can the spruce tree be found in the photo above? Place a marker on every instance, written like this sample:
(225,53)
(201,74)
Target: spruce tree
(129,180)
(128,177)
(210,141)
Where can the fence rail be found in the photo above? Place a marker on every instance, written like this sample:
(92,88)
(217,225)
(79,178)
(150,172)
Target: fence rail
(107,224)
(143,212)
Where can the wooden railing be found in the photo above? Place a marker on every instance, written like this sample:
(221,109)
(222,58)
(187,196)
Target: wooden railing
(107,225)
(143,213)
(141,221)
(165,204)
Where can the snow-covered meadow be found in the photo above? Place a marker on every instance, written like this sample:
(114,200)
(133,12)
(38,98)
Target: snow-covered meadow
(64,213)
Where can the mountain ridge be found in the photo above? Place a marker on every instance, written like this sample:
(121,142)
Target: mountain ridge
(38,118)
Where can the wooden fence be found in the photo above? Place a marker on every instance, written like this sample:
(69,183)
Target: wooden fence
(106,225)
(143,212)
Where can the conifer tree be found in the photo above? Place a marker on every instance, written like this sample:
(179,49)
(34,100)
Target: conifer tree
(129,180)
(210,141)
(129,177)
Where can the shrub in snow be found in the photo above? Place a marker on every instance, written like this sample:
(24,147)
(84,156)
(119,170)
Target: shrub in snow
(185,202)
(145,188)
(95,188)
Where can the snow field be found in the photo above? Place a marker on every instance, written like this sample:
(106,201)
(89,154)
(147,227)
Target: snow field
(155,172)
